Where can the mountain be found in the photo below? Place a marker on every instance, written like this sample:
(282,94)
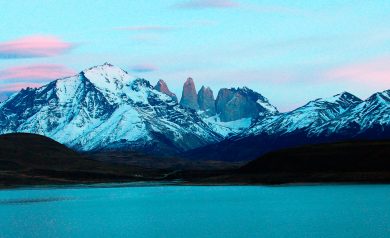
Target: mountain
(341,117)
(206,101)
(234,104)
(189,98)
(104,108)
(232,111)
(45,161)
(370,118)
(313,114)
(162,87)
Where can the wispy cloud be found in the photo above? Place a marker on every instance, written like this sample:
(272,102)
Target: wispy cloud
(34,46)
(275,9)
(153,33)
(374,71)
(14,87)
(37,72)
(147,28)
(223,4)
(204,4)
(144,68)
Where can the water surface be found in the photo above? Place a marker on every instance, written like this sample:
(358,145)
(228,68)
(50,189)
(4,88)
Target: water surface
(197,211)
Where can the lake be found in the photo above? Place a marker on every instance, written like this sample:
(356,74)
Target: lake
(197,211)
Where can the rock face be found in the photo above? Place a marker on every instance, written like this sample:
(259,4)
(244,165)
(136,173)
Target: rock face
(189,97)
(162,87)
(234,104)
(206,101)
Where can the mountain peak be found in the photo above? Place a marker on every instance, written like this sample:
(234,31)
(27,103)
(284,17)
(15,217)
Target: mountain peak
(237,103)
(104,66)
(139,83)
(206,101)
(162,87)
(205,89)
(380,97)
(344,99)
(347,95)
(189,96)
(189,81)
(161,82)
(107,77)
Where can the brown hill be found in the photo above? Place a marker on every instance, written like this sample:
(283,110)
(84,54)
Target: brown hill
(34,159)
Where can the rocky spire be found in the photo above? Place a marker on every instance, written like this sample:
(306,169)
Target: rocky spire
(189,97)
(162,87)
(206,101)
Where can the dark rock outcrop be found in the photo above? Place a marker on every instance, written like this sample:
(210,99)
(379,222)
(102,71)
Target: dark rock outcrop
(234,104)
(162,87)
(189,97)
(206,101)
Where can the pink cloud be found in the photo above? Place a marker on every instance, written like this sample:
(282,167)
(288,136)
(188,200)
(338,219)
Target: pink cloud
(18,86)
(202,4)
(34,46)
(35,72)
(144,68)
(373,71)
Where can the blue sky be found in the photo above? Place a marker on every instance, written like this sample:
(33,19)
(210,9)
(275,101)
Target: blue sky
(289,51)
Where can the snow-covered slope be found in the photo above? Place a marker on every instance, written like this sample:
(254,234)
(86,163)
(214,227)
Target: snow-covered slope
(373,113)
(311,115)
(236,108)
(341,117)
(230,128)
(105,108)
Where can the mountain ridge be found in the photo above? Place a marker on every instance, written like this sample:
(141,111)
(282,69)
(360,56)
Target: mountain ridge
(105,108)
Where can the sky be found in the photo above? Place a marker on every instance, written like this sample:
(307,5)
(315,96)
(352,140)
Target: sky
(290,51)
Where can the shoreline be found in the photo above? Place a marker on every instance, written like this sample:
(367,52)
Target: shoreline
(168,183)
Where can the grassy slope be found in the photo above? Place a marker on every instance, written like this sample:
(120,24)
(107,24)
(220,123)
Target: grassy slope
(360,161)
(33,159)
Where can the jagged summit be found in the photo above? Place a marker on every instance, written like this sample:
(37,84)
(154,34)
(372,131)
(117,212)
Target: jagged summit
(104,67)
(189,96)
(109,79)
(344,99)
(104,108)
(206,101)
(383,97)
(162,87)
(237,103)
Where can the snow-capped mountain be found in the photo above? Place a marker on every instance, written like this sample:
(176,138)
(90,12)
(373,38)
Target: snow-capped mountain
(341,117)
(105,108)
(236,108)
(231,112)
(368,115)
(313,114)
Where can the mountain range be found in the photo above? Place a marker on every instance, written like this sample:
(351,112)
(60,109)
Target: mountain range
(103,108)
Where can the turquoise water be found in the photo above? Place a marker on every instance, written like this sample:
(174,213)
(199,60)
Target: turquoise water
(177,211)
